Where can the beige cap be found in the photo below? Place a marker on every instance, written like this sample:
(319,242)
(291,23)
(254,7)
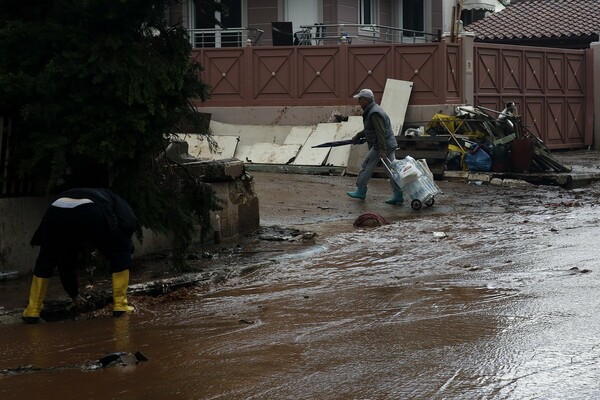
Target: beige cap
(367,93)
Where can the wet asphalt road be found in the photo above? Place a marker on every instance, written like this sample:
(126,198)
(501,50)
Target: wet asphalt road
(502,306)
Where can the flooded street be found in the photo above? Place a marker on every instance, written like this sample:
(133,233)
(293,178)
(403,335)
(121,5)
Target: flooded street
(490,296)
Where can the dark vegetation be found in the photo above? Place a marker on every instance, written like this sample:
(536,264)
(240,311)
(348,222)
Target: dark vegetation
(95,90)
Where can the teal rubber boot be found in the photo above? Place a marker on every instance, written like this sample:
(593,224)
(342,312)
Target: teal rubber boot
(359,193)
(397,198)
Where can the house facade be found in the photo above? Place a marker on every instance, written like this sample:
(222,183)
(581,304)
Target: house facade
(247,18)
(282,84)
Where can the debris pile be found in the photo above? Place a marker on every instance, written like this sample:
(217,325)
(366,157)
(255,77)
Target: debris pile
(482,139)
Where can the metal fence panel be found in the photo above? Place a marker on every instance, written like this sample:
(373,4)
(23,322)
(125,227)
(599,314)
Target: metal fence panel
(328,74)
(547,84)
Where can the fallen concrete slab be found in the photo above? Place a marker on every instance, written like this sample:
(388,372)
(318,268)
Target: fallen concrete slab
(328,132)
(250,134)
(280,144)
(339,156)
(267,153)
(199,147)
(299,134)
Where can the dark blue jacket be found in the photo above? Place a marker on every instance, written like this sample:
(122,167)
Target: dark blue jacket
(117,211)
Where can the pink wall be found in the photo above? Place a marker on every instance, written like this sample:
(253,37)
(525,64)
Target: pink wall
(260,15)
(347,12)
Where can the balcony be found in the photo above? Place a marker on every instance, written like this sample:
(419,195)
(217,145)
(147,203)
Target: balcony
(316,34)
(360,34)
(230,37)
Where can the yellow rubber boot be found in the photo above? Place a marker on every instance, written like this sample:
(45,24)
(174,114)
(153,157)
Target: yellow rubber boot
(39,286)
(120,282)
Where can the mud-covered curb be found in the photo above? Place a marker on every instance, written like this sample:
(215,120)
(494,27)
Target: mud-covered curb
(568,180)
(64,309)
(225,264)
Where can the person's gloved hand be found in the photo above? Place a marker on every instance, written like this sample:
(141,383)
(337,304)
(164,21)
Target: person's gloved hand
(382,154)
(355,140)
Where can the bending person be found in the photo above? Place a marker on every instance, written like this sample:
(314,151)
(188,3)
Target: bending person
(78,218)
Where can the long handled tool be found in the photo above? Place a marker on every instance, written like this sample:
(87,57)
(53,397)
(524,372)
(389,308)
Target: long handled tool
(340,143)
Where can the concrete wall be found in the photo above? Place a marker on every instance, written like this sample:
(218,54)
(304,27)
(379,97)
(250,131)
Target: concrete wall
(20,218)
(301,116)
(240,213)
(293,116)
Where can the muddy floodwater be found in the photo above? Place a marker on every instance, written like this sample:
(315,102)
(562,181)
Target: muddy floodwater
(490,295)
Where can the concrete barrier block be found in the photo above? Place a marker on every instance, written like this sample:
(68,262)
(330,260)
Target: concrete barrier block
(217,170)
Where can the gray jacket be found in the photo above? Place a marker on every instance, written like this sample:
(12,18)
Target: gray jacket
(369,130)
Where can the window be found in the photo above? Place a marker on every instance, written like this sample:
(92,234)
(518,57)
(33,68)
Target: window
(368,12)
(413,16)
(207,34)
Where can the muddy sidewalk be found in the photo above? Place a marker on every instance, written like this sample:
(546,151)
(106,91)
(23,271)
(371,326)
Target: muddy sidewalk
(296,212)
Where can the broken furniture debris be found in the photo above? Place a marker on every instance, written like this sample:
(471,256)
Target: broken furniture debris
(482,139)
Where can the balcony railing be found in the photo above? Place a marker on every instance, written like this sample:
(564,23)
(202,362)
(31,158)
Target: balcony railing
(230,37)
(313,35)
(360,34)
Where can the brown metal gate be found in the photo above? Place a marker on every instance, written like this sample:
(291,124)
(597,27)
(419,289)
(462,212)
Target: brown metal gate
(552,89)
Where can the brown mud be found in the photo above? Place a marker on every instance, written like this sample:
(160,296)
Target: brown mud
(490,293)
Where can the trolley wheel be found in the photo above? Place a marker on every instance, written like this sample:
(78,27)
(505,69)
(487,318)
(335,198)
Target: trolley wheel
(415,204)
(430,202)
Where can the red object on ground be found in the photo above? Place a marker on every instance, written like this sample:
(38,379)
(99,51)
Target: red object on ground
(370,219)
(521,155)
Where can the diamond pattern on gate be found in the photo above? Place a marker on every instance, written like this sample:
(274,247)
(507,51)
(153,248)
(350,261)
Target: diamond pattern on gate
(511,72)
(274,73)
(224,73)
(575,120)
(317,75)
(486,76)
(533,75)
(363,63)
(532,116)
(453,75)
(554,71)
(554,112)
(575,75)
(419,68)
